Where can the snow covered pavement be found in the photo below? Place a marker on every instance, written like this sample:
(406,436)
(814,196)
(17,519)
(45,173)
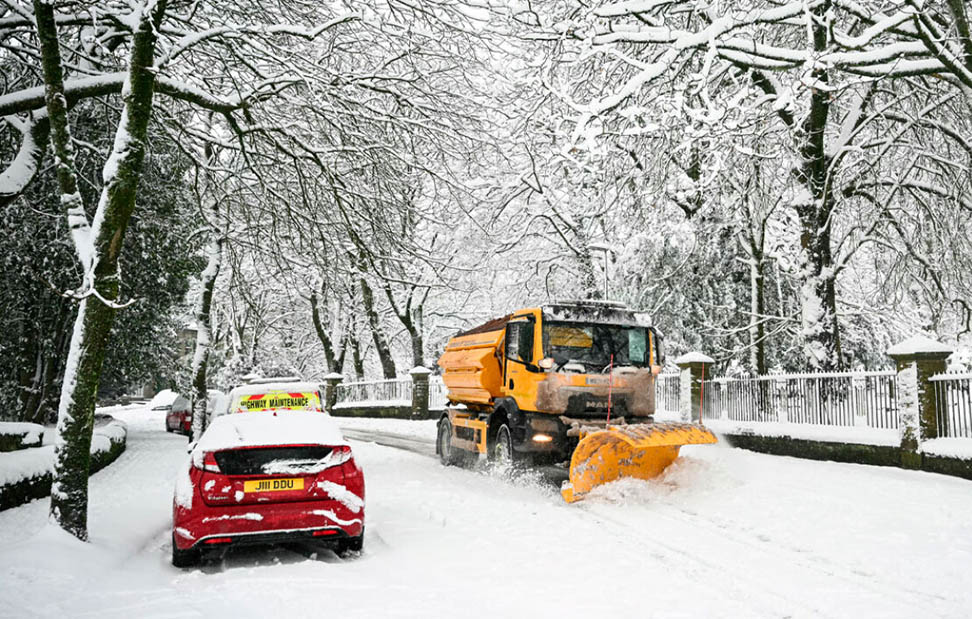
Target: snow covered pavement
(723,533)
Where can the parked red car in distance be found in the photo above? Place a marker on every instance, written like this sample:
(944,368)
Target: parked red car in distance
(178,416)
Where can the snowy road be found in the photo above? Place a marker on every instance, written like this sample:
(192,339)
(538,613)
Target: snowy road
(723,533)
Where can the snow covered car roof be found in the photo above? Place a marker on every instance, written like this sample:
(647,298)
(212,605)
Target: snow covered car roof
(265,428)
(163,399)
(294,387)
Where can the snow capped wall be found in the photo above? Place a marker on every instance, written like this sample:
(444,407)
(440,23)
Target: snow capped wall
(26,474)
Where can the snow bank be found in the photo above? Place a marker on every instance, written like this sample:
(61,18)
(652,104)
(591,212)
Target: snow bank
(16,435)
(949,447)
(810,432)
(422,428)
(38,462)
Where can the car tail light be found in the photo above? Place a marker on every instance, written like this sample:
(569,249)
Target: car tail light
(207,463)
(353,477)
(324,532)
(218,540)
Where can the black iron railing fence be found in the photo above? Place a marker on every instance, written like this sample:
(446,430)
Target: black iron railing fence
(852,399)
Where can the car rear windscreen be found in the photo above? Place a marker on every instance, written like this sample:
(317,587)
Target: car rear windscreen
(274,460)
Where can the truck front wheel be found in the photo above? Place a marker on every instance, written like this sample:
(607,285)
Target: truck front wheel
(501,453)
(450,455)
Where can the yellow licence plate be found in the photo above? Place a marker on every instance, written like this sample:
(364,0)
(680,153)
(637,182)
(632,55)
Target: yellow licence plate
(272,485)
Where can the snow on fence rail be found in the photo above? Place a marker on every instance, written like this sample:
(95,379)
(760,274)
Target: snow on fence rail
(395,391)
(953,403)
(863,399)
(391,392)
(438,393)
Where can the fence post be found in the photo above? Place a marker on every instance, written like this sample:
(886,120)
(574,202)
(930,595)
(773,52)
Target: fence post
(917,359)
(693,366)
(331,382)
(420,392)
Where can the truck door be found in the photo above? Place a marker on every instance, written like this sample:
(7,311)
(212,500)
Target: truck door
(519,381)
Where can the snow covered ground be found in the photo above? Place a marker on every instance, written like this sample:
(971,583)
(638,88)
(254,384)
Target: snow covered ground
(724,533)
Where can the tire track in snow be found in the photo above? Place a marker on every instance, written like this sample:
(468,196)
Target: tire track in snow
(804,557)
(754,589)
(738,546)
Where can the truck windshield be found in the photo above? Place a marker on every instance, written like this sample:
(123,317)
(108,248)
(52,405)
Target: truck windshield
(593,344)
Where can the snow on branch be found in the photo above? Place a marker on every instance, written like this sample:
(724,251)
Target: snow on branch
(30,99)
(190,40)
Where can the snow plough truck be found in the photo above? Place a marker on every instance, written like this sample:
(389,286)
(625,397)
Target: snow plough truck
(566,381)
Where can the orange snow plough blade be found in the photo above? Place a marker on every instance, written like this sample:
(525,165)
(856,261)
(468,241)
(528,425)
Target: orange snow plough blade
(640,450)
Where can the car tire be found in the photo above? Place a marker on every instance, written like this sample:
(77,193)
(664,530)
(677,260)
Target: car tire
(352,544)
(448,454)
(184,558)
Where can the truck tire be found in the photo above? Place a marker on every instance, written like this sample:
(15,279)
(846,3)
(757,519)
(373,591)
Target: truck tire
(450,455)
(501,452)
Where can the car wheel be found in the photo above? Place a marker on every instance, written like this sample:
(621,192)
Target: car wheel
(450,455)
(184,558)
(353,544)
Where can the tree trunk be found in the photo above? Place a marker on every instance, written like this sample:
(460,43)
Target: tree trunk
(329,357)
(69,491)
(411,320)
(757,325)
(418,344)
(377,335)
(203,309)
(814,207)
(200,359)
(356,359)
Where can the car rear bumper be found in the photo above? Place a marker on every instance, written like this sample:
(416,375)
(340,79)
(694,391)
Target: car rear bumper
(231,525)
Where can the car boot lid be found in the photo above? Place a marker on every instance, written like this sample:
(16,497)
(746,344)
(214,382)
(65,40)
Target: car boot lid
(268,428)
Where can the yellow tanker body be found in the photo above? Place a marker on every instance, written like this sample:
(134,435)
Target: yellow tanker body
(572,380)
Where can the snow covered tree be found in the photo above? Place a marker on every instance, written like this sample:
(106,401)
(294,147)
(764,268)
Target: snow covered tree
(817,69)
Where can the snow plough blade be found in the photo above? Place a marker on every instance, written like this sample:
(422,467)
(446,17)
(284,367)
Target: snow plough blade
(641,450)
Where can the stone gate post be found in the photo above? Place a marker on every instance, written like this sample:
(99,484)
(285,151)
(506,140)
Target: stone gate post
(420,392)
(917,359)
(693,366)
(331,382)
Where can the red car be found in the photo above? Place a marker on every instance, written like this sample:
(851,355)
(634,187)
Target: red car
(268,477)
(178,416)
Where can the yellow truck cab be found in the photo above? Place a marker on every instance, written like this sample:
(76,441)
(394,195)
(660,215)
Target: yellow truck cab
(529,382)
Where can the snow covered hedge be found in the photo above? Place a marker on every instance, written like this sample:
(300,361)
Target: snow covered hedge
(25,475)
(17,435)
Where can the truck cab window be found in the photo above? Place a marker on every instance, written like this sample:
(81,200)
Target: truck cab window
(519,341)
